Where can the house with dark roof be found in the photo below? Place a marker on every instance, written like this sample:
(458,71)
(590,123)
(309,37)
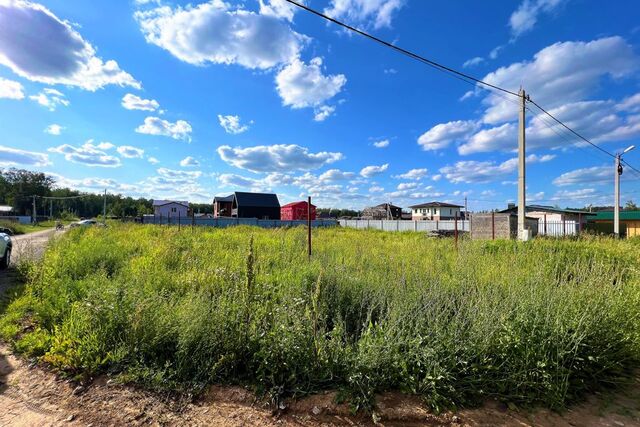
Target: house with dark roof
(435,211)
(255,205)
(629,222)
(222,206)
(171,208)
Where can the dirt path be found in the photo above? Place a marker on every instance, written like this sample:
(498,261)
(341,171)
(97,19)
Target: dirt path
(33,396)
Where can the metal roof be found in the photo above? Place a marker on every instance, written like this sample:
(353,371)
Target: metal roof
(543,208)
(297,203)
(167,202)
(4,208)
(435,205)
(624,216)
(228,198)
(262,200)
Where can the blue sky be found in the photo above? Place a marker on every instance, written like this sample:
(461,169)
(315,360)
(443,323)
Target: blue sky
(166,99)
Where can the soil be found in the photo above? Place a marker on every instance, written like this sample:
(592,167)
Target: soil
(31,395)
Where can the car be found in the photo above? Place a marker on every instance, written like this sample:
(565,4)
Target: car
(85,223)
(5,250)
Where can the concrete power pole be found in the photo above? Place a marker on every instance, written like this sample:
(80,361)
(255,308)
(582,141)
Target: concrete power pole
(616,190)
(616,204)
(522,233)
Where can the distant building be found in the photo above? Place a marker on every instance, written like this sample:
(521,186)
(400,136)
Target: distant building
(382,211)
(222,206)
(435,211)
(554,221)
(255,205)
(297,211)
(171,208)
(629,222)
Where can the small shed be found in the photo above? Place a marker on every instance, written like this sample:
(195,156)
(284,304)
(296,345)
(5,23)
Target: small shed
(255,205)
(499,225)
(297,211)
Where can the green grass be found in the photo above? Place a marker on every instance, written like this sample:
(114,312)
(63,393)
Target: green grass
(541,323)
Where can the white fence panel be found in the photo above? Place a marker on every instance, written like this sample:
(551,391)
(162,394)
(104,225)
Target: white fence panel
(400,225)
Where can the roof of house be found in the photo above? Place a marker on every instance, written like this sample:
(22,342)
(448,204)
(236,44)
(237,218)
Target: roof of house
(228,198)
(261,200)
(551,209)
(435,205)
(624,216)
(168,202)
(301,202)
(384,206)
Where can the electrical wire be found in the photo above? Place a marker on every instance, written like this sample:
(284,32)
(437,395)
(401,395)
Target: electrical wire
(434,64)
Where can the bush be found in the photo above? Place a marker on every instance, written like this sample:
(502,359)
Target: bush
(542,322)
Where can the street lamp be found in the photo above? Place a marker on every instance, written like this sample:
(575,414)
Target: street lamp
(616,206)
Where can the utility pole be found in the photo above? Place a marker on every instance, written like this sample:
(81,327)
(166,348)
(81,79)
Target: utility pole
(522,233)
(104,208)
(465,208)
(50,209)
(34,216)
(616,190)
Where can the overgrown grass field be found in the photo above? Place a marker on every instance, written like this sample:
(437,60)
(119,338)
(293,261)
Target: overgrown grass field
(537,323)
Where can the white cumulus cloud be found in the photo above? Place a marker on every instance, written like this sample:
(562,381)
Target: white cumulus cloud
(50,98)
(189,162)
(525,17)
(302,86)
(276,158)
(134,102)
(441,135)
(214,32)
(371,171)
(384,143)
(54,129)
(130,152)
(157,126)
(89,154)
(415,174)
(37,45)
(231,124)
(10,89)
(15,157)
(369,13)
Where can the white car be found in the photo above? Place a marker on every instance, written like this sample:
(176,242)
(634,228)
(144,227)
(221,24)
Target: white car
(5,250)
(85,223)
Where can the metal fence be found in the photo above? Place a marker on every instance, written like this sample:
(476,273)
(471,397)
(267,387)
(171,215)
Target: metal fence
(558,228)
(231,222)
(401,225)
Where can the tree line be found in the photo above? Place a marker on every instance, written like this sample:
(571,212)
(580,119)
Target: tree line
(18,186)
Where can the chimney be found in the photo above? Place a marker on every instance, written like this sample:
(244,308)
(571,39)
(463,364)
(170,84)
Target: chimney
(511,206)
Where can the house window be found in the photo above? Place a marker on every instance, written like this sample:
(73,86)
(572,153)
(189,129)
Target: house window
(174,210)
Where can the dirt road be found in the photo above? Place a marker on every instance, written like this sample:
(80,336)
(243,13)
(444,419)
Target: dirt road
(30,395)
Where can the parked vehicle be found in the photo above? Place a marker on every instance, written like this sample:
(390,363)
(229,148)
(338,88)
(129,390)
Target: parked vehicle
(86,223)
(5,250)
(59,225)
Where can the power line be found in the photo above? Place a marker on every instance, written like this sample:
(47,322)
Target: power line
(434,64)
(455,73)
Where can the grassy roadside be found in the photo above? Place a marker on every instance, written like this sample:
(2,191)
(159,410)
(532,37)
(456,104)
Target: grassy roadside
(29,228)
(537,323)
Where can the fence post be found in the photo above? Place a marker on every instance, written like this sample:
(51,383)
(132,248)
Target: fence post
(493,226)
(545,224)
(437,225)
(564,227)
(179,220)
(193,219)
(309,224)
(455,229)
(579,223)
(415,225)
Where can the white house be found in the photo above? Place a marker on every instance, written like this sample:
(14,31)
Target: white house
(435,211)
(171,208)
